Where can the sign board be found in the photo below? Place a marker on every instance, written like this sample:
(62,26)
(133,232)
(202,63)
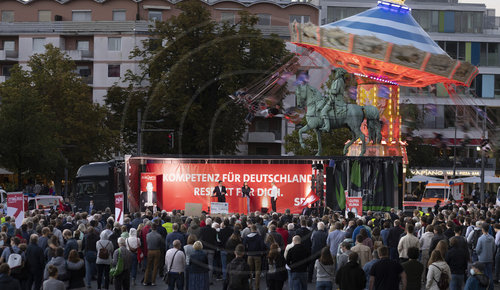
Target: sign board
(192,209)
(15,207)
(194,183)
(119,207)
(219,208)
(149,191)
(354,205)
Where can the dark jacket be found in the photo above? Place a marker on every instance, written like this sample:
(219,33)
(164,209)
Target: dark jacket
(305,236)
(7,282)
(245,192)
(291,234)
(71,244)
(89,242)
(456,258)
(318,239)
(175,236)
(277,270)
(219,193)
(435,240)
(223,236)
(35,259)
(208,236)
(254,244)
(198,262)
(394,236)
(76,273)
(230,247)
(278,239)
(238,272)
(298,257)
(351,276)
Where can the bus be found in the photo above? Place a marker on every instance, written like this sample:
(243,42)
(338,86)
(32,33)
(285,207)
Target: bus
(98,181)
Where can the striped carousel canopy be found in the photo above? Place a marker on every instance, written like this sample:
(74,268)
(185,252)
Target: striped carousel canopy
(390,22)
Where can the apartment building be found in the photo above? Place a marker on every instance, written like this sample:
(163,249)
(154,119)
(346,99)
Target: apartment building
(99,35)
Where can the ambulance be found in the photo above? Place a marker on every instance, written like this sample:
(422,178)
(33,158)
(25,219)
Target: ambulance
(434,191)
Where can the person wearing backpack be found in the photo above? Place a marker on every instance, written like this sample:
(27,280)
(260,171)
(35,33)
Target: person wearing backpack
(439,274)
(122,280)
(472,239)
(485,250)
(133,244)
(104,249)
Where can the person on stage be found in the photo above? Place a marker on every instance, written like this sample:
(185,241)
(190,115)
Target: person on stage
(245,191)
(274,196)
(220,192)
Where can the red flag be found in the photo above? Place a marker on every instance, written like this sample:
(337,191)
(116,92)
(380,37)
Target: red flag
(311,198)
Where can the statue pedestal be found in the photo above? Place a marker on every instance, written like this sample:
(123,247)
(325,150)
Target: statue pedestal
(382,150)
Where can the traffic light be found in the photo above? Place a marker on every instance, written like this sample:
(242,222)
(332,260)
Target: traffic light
(170,139)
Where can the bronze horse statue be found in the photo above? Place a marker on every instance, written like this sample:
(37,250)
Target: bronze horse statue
(352,118)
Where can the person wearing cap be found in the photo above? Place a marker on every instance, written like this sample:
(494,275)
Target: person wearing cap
(477,279)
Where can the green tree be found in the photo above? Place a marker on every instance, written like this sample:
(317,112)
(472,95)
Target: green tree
(78,130)
(192,64)
(333,142)
(27,147)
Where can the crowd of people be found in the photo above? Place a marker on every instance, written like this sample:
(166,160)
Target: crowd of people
(447,247)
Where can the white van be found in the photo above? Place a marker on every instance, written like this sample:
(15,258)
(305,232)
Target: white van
(45,202)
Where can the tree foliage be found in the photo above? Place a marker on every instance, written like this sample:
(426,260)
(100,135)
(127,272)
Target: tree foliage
(62,125)
(192,64)
(333,142)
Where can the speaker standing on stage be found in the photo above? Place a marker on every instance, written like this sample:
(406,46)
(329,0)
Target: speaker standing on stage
(274,196)
(245,191)
(220,192)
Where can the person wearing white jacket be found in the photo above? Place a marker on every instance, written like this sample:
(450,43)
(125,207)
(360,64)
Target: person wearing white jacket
(133,243)
(425,244)
(437,266)
(103,261)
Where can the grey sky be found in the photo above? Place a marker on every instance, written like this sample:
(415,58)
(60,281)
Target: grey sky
(495,4)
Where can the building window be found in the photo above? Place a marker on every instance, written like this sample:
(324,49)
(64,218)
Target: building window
(9,45)
(7,16)
(6,70)
(154,15)
(227,17)
(338,13)
(114,43)
(113,70)
(83,70)
(119,15)
(82,15)
(299,18)
(44,15)
(38,45)
(264,19)
(82,45)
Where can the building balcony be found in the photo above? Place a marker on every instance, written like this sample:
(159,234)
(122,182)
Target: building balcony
(79,54)
(3,79)
(8,54)
(89,80)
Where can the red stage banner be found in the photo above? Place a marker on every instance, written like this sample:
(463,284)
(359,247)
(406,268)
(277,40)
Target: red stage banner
(194,183)
(15,207)
(119,207)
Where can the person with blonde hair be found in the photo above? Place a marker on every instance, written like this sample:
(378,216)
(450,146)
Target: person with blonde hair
(198,268)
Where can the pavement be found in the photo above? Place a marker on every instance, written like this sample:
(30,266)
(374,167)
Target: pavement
(160,285)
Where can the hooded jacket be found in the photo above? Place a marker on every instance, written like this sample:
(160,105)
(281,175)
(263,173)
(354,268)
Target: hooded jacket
(133,242)
(254,244)
(60,263)
(104,242)
(477,282)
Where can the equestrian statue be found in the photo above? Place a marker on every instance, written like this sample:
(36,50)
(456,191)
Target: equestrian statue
(331,112)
